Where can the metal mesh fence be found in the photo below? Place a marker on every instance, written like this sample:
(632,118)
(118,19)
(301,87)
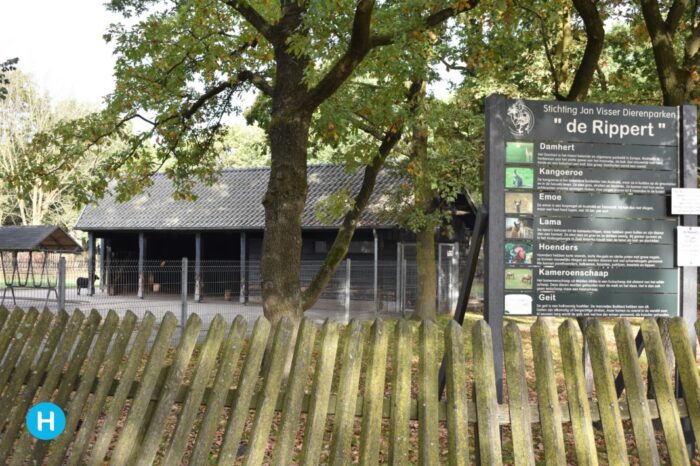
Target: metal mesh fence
(220,287)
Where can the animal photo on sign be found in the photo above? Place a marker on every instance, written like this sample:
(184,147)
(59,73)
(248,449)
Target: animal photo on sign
(519,228)
(519,279)
(518,304)
(518,203)
(519,178)
(519,152)
(519,253)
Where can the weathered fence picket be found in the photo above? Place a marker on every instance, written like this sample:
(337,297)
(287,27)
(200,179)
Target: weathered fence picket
(348,382)
(577,395)
(371,431)
(400,395)
(547,395)
(486,402)
(295,394)
(665,398)
(114,370)
(457,403)
(638,406)
(320,394)
(518,399)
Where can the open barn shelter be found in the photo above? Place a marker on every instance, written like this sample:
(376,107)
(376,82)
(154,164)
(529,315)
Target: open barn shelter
(142,241)
(28,256)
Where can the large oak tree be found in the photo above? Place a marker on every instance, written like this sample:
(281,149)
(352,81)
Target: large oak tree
(180,67)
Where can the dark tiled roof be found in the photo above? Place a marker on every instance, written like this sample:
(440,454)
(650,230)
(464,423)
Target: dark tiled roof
(234,202)
(37,238)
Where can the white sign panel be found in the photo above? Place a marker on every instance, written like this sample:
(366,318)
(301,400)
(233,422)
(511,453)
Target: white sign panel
(688,246)
(685,201)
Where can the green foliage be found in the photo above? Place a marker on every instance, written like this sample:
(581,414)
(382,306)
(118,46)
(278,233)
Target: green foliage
(5,68)
(26,195)
(334,206)
(244,146)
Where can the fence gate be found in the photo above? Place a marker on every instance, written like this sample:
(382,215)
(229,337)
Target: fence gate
(448,277)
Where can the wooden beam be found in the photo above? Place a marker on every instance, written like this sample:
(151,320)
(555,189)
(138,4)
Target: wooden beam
(243,296)
(142,256)
(91,263)
(198,267)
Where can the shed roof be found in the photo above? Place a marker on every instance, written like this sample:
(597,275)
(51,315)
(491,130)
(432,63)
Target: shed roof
(233,202)
(50,238)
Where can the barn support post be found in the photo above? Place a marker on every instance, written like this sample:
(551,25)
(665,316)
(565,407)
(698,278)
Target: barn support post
(61,295)
(107,271)
(103,252)
(399,253)
(91,263)
(454,277)
(197,267)
(243,295)
(348,271)
(376,272)
(142,255)
(183,293)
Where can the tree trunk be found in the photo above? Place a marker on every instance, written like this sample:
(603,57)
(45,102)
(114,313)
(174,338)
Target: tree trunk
(284,205)
(427,275)
(425,236)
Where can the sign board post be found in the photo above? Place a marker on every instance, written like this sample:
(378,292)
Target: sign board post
(579,211)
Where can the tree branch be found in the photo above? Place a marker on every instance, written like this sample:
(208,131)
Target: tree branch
(253,17)
(256,80)
(595,38)
(428,22)
(675,14)
(365,125)
(204,98)
(547,52)
(362,41)
(357,50)
(673,84)
(692,46)
(339,248)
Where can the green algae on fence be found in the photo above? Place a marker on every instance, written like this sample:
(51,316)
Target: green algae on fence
(547,395)
(638,406)
(295,393)
(74,410)
(428,442)
(486,402)
(125,383)
(400,396)
(687,370)
(244,393)
(577,395)
(265,410)
(371,429)
(108,373)
(231,351)
(320,394)
(665,398)
(193,401)
(608,407)
(457,403)
(518,399)
(156,359)
(345,407)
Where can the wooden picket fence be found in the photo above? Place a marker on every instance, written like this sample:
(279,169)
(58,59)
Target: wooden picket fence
(130,398)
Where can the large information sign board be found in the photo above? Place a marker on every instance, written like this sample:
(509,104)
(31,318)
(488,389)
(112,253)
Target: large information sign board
(578,197)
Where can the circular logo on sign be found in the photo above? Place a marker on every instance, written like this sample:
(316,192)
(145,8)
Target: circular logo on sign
(46,421)
(520,118)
